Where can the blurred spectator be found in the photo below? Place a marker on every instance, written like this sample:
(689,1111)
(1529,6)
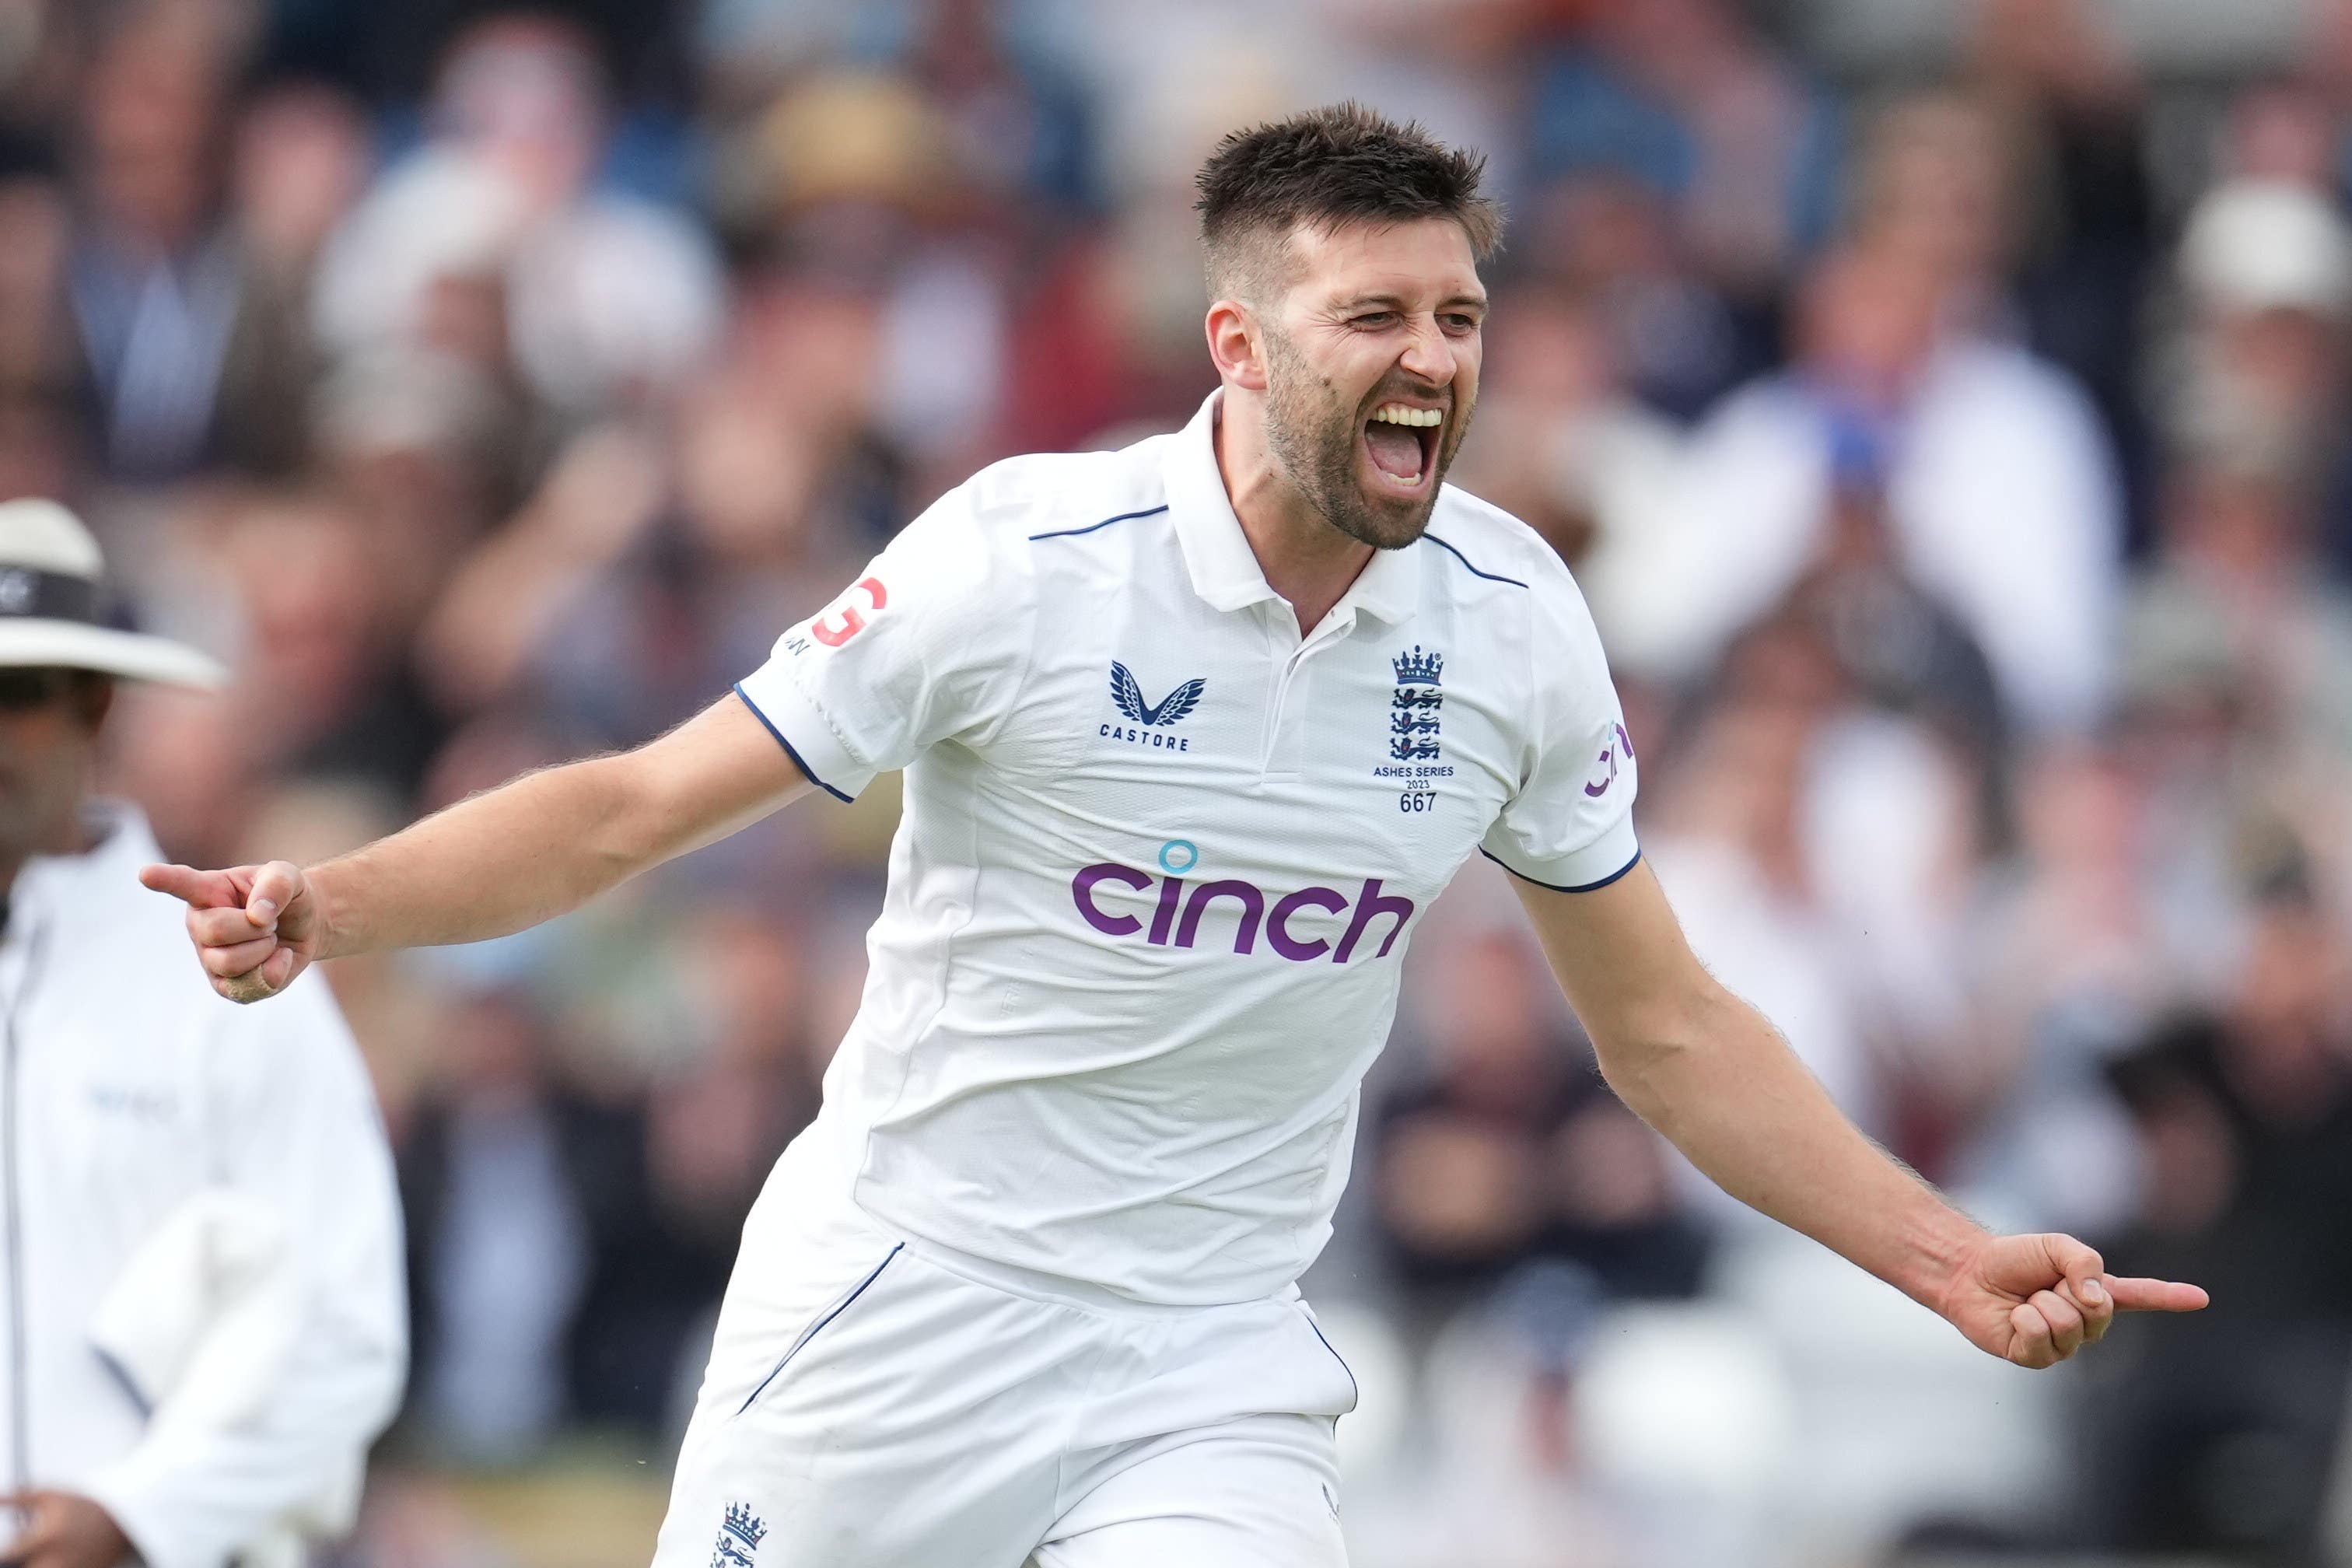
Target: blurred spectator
(1822,852)
(1896,645)
(330,605)
(2237,649)
(2255,378)
(594,505)
(498,1243)
(1019,119)
(566,1247)
(36,77)
(35,217)
(2240,601)
(191,350)
(2068,964)
(301,158)
(894,197)
(388,55)
(1999,493)
(1681,343)
(2078,233)
(1511,1149)
(493,242)
(2226,1428)
(1686,98)
(1509,1486)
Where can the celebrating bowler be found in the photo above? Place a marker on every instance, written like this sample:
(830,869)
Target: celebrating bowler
(1194,732)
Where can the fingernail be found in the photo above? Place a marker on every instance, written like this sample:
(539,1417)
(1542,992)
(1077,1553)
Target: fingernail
(263,910)
(2092,1293)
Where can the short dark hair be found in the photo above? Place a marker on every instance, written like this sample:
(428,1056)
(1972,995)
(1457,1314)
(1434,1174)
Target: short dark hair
(1328,167)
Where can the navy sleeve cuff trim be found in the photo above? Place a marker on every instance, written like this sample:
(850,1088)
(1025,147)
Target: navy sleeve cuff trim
(1555,886)
(806,771)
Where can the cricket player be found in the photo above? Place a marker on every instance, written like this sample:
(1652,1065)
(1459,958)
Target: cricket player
(1193,732)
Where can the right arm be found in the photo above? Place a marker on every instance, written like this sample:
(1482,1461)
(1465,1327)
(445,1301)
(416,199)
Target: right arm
(495,863)
(932,643)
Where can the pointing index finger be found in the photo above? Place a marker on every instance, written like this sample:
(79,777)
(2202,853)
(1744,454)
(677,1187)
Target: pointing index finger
(199,890)
(2156,1296)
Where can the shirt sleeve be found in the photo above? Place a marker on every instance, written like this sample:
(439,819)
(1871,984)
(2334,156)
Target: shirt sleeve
(1570,825)
(296,1127)
(928,644)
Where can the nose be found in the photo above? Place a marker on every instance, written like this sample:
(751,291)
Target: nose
(1429,357)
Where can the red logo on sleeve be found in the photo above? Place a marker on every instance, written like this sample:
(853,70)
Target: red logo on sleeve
(837,626)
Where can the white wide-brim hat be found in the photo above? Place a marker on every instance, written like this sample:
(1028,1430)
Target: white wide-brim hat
(50,606)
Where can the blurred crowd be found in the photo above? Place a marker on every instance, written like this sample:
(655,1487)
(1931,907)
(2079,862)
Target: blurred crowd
(1957,460)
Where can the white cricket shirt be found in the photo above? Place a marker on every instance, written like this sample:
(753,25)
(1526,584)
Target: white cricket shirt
(1161,855)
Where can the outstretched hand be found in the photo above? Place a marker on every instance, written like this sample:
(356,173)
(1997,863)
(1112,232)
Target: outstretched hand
(255,927)
(2037,1300)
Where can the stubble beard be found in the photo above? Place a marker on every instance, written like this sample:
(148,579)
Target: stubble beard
(1315,440)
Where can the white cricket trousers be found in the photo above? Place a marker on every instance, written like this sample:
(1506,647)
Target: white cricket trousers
(875,1402)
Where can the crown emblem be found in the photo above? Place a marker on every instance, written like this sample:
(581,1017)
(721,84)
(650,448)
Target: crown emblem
(1419,669)
(744,1525)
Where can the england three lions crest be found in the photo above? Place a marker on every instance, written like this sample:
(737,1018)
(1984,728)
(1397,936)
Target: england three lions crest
(1413,711)
(739,1534)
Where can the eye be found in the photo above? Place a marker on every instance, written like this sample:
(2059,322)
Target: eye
(1458,322)
(1373,321)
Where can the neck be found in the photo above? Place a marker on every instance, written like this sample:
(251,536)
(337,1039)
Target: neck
(1306,560)
(72,836)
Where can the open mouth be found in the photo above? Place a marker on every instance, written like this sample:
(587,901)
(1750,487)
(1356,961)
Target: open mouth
(1401,440)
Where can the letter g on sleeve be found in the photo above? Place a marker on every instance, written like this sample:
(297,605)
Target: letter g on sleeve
(929,642)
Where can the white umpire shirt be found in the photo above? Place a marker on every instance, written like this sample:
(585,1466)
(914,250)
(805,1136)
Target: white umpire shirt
(1162,855)
(126,1088)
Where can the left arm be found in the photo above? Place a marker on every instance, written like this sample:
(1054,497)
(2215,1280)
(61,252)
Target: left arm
(295,1115)
(1705,1070)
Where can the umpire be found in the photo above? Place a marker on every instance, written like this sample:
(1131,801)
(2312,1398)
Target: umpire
(202,1324)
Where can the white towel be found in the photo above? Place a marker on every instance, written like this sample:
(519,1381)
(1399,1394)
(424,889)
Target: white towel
(200,1322)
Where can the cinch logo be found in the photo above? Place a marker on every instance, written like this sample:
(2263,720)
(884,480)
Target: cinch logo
(1176,915)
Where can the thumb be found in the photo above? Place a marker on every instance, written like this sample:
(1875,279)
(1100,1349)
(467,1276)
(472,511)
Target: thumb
(199,890)
(2080,1267)
(275,886)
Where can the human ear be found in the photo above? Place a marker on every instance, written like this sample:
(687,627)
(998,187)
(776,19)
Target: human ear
(1236,344)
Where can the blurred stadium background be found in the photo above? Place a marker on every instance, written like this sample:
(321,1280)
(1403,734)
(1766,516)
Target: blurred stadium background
(1944,405)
